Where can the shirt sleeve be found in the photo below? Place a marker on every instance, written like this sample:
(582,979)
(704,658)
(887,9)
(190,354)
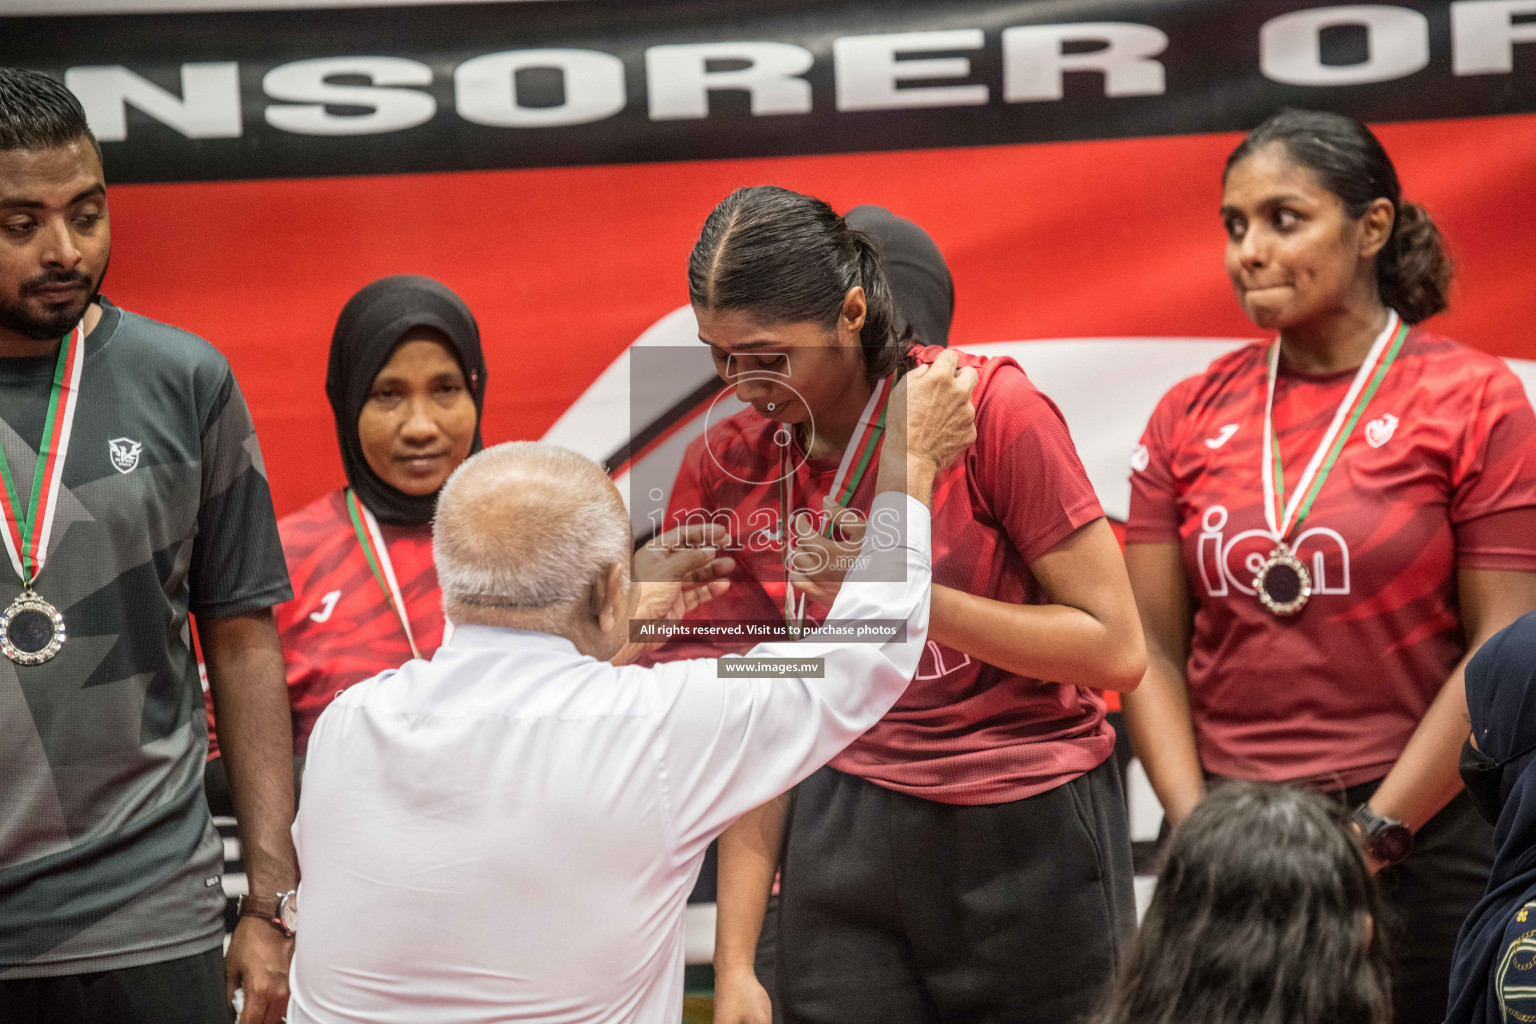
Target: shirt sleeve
(237,560)
(730,745)
(299,667)
(1029,469)
(213,736)
(1493,498)
(1154,513)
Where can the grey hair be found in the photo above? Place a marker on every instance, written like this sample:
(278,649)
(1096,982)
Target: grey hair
(483,564)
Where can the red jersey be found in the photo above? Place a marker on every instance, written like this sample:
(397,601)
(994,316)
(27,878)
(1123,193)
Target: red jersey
(1439,473)
(339,629)
(964,732)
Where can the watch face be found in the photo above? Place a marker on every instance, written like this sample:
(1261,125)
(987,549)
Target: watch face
(1393,844)
(289,911)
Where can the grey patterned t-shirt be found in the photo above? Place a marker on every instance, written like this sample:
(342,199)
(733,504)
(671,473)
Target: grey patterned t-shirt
(108,858)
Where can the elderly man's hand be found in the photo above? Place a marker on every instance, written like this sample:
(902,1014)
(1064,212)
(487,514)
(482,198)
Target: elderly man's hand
(931,419)
(680,570)
(819,563)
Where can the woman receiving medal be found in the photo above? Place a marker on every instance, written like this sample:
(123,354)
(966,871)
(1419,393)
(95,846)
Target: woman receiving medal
(1323,524)
(968,857)
(406,382)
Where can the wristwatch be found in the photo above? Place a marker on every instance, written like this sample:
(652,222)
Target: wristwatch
(281,910)
(1386,839)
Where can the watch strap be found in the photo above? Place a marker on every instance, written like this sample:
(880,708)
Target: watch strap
(1387,839)
(268,908)
(251,905)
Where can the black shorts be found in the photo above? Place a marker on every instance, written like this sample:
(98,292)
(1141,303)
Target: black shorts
(896,909)
(185,991)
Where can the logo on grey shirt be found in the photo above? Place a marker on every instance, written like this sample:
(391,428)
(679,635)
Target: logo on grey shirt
(125,453)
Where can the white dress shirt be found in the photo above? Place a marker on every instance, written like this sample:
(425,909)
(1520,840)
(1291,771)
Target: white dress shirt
(509,832)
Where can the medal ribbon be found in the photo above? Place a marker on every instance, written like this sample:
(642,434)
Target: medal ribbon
(377,552)
(1283,516)
(26,534)
(857,458)
(861,454)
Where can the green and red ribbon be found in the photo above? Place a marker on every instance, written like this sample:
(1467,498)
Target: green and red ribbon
(857,458)
(371,539)
(27,532)
(1283,518)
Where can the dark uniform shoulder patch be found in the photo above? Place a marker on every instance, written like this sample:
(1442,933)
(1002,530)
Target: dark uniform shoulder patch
(1516,976)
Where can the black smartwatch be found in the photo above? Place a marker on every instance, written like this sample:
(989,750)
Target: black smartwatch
(1386,839)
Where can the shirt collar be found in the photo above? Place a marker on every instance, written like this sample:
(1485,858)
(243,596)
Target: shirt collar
(473,636)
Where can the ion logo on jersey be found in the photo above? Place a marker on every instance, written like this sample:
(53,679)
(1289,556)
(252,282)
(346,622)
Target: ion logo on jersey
(1230,563)
(125,453)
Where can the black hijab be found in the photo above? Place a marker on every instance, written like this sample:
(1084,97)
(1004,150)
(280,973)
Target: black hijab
(371,324)
(920,281)
(1501,698)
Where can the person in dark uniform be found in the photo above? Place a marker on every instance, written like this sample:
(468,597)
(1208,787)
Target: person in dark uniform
(1493,977)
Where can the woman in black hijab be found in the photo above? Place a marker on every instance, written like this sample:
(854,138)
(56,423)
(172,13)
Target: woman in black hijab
(373,324)
(406,382)
(1493,975)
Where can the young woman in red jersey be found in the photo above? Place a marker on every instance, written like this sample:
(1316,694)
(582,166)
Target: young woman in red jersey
(406,382)
(1324,524)
(967,858)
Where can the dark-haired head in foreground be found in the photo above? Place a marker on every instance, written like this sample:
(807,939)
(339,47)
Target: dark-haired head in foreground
(1264,913)
(53,209)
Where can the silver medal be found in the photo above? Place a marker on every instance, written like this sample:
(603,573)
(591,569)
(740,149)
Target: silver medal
(1283,583)
(31,630)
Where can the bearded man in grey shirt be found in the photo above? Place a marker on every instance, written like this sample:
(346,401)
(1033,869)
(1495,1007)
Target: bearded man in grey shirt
(133,494)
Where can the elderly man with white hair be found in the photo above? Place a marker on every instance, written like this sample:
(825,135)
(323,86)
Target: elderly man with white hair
(509,831)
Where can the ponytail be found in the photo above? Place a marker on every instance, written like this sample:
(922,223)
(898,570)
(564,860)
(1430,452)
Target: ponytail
(1413,269)
(884,349)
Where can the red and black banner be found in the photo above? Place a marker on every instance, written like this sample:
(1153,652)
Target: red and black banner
(267,94)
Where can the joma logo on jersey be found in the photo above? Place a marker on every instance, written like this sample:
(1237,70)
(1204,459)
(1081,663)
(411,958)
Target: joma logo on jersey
(1230,563)
(1223,437)
(125,453)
